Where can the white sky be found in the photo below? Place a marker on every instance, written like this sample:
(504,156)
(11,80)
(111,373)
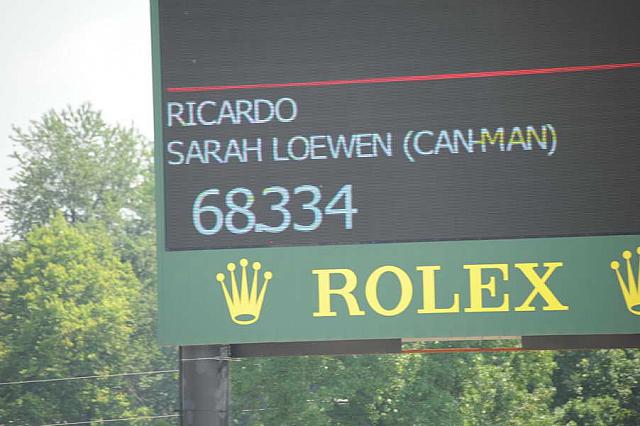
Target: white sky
(56,53)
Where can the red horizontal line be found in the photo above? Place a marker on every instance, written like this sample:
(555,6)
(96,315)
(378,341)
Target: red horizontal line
(408,78)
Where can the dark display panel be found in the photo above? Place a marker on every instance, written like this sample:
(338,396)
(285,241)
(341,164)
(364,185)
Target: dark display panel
(343,122)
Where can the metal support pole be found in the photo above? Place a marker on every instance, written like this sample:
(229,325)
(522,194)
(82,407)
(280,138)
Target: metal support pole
(204,385)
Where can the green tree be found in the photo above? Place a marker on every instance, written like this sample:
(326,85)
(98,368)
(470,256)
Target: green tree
(66,306)
(99,176)
(509,389)
(385,390)
(72,161)
(362,390)
(277,391)
(348,390)
(598,387)
(432,390)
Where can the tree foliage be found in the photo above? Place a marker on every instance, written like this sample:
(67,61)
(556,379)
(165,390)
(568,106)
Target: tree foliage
(97,178)
(67,305)
(577,388)
(598,387)
(509,389)
(72,161)
(385,390)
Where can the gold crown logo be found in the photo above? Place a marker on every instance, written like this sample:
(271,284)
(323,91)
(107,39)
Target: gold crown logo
(244,304)
(630,288)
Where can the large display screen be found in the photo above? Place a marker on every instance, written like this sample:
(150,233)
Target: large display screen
(343,122)
(374,169)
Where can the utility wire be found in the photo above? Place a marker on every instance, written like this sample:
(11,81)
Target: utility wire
(143,373)
(97,376)
(123,419)
(105,376)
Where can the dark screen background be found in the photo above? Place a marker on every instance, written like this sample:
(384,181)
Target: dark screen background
(588,187)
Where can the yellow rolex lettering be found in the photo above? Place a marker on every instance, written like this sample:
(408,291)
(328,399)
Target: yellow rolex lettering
(476,287)
(406,290)
(540,287)
(429,293)
(325,292)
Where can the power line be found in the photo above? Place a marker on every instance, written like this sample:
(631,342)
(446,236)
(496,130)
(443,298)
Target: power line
(97,376)
(105,376)
(143,373)
(123,419)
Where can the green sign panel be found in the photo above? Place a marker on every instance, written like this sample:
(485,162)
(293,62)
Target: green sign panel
(375,169)
(438,289)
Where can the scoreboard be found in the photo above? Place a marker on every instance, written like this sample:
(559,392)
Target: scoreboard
(310,136)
